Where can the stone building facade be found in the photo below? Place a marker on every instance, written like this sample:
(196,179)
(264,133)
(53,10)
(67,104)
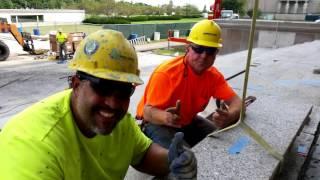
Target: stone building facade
(286,9)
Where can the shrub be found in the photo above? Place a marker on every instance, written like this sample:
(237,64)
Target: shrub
(250,13)
(175,17)
(106,20)
(193,16)
(138,18)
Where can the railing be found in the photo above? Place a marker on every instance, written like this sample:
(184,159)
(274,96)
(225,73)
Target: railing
(138,41)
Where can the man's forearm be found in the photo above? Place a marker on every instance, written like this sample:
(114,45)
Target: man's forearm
(234,108)
(154,115)
(155,161)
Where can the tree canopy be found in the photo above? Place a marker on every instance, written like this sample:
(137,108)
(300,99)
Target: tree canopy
(103,7)
(235,5)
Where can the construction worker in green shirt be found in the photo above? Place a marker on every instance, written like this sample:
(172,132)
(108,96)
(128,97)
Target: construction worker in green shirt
(62,39)
(85,132)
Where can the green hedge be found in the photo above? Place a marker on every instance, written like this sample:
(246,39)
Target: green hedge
(138,18)
(122,20)
(152,18)
(106,20)
(193,16)
(175,17)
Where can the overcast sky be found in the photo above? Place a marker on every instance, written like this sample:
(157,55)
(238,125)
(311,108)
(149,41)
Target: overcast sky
(198,3)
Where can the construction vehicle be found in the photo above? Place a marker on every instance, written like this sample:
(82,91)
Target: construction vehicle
(215,10)
(23,38)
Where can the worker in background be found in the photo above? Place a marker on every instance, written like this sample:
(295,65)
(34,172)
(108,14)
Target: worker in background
(182,87)
(85,132)
(62,39)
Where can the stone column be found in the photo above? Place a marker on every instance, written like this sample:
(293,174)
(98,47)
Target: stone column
(279,7)
(287,8)
(295,8)
(305,7)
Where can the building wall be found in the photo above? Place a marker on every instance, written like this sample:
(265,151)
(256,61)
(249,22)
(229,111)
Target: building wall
(287,9)
(314,7)
(49,16)
(266,6)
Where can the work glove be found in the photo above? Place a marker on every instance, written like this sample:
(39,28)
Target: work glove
(182,161)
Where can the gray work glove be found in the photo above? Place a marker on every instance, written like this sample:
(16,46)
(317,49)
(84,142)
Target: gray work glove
(182,161)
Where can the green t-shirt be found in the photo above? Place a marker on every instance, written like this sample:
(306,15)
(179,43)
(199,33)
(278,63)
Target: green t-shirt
(43,142)
(61,38)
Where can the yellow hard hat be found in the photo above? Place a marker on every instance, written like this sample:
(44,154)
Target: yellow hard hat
(108,55)
(206,33)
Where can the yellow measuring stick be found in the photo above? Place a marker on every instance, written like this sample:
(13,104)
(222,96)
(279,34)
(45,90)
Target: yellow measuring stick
(253,134)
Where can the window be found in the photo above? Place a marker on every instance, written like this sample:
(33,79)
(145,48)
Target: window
(26,18)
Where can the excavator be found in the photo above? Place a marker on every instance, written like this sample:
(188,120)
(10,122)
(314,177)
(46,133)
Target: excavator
(23,38)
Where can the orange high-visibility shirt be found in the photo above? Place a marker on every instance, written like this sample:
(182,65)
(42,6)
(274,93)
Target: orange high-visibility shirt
(173,80)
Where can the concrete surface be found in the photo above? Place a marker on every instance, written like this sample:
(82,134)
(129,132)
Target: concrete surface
(286,88)
(284,84)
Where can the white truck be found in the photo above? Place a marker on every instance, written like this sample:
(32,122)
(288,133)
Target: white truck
(228,14)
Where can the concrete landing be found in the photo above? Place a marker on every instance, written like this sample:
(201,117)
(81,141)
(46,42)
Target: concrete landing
(286,89)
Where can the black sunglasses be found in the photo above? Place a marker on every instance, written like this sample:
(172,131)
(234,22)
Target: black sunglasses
(201,49)
(103,87)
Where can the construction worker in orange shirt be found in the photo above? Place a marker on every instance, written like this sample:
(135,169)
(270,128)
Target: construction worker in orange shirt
(182,87)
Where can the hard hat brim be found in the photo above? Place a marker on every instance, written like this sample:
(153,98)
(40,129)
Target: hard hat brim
(205,43)
(112,75)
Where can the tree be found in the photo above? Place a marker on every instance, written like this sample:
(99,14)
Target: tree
(235,5)
(204,9)
(106,7)
(190,10)
(170,7)
(125,8)
(19,4)
(6,4)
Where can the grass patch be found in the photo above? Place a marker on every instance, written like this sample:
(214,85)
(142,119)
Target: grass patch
(172,51)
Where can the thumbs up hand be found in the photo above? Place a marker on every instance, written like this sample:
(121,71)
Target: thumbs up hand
(182,161)
(173,115)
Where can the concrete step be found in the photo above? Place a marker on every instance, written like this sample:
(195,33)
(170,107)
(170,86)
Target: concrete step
(297,159)
(311,167)
(267,117)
